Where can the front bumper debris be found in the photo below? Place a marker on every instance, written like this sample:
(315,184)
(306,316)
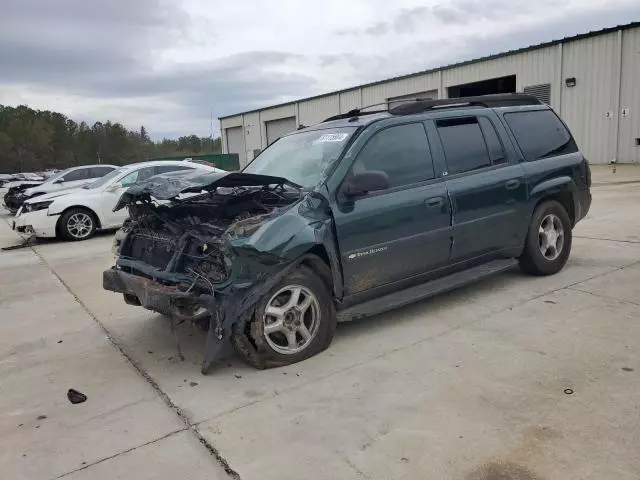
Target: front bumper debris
(165,299)
(177,305)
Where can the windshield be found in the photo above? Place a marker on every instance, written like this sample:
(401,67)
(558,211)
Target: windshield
(304,157)
(104,180)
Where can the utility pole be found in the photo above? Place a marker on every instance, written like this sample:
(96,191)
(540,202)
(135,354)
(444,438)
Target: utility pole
(211,129)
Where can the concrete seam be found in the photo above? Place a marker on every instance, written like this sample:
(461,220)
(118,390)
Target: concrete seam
(606,297)
(606,239)
(151,442)
(145,375)
(417,342)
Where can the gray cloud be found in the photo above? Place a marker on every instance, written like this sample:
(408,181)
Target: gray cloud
(108,55)
(424,55)
(453,12)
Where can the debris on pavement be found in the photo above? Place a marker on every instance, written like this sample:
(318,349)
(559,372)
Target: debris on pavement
(76,397)
(568,391)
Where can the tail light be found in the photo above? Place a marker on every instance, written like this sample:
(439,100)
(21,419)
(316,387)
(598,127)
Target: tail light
(585,172)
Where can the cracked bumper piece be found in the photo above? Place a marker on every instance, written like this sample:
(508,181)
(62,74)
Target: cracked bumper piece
(165,299)
(38,222)
(170,301)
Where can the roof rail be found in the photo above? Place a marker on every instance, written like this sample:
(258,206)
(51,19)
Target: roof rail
(486,101)
(416,105)
(355,113)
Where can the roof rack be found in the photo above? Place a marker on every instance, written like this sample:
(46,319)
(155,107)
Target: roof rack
(355,113)
(486,101)
(418,105)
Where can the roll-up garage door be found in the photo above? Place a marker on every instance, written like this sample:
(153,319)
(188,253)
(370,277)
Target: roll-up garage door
(235,144)
(280,127)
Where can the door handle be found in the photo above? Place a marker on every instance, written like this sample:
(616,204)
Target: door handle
(434,202)
(512,184)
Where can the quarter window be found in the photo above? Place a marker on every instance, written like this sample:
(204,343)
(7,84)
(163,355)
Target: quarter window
(540,134)
(402,152)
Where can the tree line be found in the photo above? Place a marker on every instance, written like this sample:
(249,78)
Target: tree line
(37,140)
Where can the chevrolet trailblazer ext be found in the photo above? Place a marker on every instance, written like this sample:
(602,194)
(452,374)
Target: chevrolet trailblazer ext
(363,213)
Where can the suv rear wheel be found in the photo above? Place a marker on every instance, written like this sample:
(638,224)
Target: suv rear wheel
(548,240)
(292,322)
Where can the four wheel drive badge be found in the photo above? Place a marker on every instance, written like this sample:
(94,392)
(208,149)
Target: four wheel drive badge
(366,253)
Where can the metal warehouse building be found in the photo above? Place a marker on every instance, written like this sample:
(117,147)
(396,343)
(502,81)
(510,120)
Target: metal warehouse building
(592,80)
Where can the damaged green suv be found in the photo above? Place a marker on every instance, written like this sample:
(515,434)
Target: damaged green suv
(363,213)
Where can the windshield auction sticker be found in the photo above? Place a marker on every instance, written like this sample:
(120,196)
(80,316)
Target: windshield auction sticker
(332,137)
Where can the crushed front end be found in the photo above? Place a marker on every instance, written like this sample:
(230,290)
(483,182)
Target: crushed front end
(179,256)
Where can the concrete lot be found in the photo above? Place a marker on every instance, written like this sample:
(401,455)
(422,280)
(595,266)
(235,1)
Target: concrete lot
(515,378)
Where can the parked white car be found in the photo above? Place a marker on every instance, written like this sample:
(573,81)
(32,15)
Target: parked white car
(76,214)
(70,178)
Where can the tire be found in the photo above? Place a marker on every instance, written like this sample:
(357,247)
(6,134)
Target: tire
(84,220)
(287,343)
(547,217)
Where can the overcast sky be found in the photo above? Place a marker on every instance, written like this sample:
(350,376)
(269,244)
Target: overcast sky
(166,64)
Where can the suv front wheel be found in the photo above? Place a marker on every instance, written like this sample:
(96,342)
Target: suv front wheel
(292,322)
(548,241)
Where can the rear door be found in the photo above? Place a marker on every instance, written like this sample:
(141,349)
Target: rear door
(485,182)
(392,235)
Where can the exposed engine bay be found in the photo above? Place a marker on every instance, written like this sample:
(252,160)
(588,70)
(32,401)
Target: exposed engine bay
(207,248)
(187,236)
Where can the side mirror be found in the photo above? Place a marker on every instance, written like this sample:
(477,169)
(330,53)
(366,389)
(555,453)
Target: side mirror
(362,183)
(59,180)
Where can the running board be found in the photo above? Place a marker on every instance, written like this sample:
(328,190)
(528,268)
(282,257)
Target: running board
(420,292)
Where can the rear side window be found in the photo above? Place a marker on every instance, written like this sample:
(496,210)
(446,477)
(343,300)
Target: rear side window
(75,175)
(402,152)
(464,146)
(540,134)
(97,172)
(170,168)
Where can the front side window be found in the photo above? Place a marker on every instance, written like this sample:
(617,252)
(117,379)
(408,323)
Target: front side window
(464,146)
(303,157)
(75,175)
(138,176)
(540,134)
(402,152)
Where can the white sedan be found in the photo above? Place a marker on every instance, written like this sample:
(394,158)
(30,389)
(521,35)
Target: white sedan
(77,214)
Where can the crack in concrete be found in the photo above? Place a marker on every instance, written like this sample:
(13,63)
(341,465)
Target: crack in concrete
(607,239)
(606,297)
(146,376)
(84,467)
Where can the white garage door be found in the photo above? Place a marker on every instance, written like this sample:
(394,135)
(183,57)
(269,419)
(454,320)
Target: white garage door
(235,144)
(280,127)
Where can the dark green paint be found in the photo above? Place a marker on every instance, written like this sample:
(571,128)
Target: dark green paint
(397,237)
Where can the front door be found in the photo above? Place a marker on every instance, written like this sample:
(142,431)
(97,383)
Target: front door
(392,235)
(486,185)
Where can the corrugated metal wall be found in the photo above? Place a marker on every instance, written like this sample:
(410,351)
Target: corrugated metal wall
(589,107)
(606,68)
(628,150)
